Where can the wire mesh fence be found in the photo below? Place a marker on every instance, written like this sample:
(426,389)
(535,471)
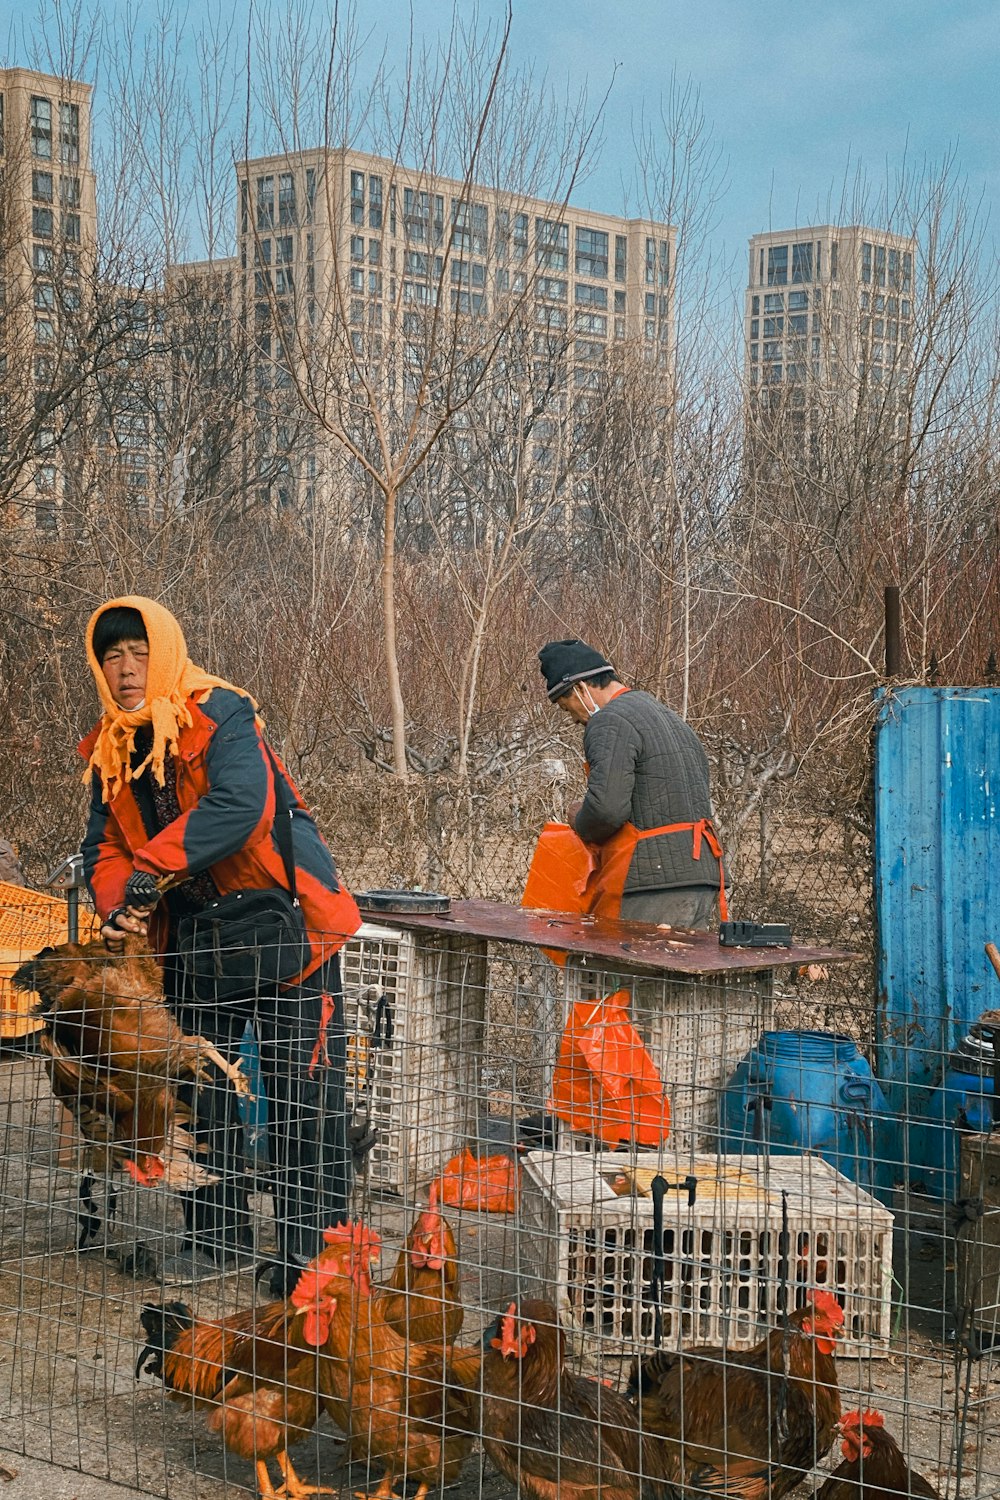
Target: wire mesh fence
(651,1160)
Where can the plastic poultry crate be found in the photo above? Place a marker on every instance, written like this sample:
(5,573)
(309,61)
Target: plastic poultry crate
(695,1028)
(414,1006)
(588,1232)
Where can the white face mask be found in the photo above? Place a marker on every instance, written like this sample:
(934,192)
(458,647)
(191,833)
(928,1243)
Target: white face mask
(135,707)
(591,707)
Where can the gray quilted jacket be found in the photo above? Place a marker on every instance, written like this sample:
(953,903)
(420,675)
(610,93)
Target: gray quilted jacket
(647,767)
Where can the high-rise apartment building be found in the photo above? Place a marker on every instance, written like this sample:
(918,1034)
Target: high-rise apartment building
(829,312)
(48,225)
(339,234)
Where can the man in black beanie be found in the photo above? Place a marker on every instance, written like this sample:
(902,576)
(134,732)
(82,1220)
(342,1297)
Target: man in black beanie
(647,811)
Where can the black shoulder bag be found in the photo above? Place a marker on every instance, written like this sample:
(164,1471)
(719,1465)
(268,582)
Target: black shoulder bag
(248,942)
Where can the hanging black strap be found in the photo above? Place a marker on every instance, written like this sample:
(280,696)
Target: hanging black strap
(284,805)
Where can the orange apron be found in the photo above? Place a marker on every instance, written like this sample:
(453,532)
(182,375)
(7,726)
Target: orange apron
(568,875)
(606,886)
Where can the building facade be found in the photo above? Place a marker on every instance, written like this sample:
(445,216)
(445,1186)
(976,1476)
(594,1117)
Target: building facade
(828,315)
(47,250)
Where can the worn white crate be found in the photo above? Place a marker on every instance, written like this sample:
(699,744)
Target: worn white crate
(414,1005)
(696,1029)
(591,1248)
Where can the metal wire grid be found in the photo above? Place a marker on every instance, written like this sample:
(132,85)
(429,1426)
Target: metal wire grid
(469,1062)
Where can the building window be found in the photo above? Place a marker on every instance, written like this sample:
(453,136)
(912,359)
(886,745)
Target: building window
(621,257)
(834,257)
(774,302)
(550,317)
(650,262)
(619,302)
(69,134)
(774,328)
(374,252)
(591,296)
(553,288)
(798,301)
(265,202)
(866,262)
(468,273)
(375,203)
(357,279)
(588,322)
(284,249)
(907,271)
(41,128)
(520,236)
(552,244)
(244,207)
(802,262)
(470,227)
(755,306)
(41,187)
(754,328)
(880,265)
(69,192)
(42,259)
(286,199)
(357,247)
(357,197)
(777,265)
(70,228)
(619,328)
(41,223)
(799,323)
(45,297)
(45,331)
(591,253)
(310,194)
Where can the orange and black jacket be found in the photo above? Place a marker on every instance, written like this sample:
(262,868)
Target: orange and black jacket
(225,789)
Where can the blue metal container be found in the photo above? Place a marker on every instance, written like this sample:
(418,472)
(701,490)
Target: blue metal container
(805,1091)
(962,1102)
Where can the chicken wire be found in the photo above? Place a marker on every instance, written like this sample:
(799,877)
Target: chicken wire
(469,1063)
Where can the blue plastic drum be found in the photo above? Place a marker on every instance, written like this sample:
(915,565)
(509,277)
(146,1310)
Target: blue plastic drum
(805,1091)
(962,1102)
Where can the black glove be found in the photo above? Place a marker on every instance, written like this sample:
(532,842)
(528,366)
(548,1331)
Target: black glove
(141,890)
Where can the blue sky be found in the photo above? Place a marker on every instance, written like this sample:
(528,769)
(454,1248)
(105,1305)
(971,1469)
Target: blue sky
(794,93)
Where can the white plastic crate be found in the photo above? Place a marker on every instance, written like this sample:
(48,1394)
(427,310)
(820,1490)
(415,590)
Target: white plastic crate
(413,1005)
(696,1029)
(591,1247)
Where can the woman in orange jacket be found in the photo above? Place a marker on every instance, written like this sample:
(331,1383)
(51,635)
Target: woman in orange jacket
(183,794)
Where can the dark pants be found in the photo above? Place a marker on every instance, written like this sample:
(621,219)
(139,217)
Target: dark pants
(695,906)
(310,1163)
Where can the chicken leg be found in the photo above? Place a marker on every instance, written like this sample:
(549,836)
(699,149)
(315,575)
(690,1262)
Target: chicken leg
(293,1487)
(233,1071)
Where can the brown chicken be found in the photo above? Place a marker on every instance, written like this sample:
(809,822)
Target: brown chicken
(553,1433)
(412,1407)
(115,1057)
(256,1372)
(874,1467)
(751,1424)
(420,1301)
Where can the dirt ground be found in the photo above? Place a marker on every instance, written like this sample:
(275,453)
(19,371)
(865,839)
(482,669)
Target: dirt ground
(69,1324)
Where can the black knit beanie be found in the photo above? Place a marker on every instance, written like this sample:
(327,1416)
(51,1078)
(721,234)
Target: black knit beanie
(564,663)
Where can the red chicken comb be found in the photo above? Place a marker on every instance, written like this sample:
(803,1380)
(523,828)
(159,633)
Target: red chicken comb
(827,1306)
(860,1420)
(354,1236)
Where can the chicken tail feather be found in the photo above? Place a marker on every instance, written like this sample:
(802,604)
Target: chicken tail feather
(162,1324)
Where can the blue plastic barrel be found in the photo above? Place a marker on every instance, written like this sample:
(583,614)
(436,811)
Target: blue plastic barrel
(805,1091)
(962,1102)
(253,1106)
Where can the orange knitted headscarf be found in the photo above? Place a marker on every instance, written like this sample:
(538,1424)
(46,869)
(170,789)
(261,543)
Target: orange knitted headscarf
(171,680)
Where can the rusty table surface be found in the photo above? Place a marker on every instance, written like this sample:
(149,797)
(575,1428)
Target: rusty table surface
(633,945)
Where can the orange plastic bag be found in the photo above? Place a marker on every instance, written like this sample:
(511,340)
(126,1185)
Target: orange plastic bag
(561,868)
(487,1183)
(605,1082)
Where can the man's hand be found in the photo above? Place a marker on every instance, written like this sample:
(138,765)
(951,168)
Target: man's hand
(571,813)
